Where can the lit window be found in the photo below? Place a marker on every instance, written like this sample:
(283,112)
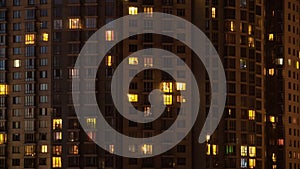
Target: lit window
(208,149)
(91,123)
(109,35)
(56,162)
(272,119)
(74,23)
(17,63)
(133,98)
(44,149)
(213,12)
(289,62)
(214,149)
(148,11)
(133,61)
(168,99)
(180,99)
(180,86)
(274,159)
(167,87)
(271,72)
(281,142)
(297,65)
(91,135)
(250,29)
(229,149)
(148,62)
(57,150)
(3,138)
(244,151)
(271,37)
(147,111)
(109,60)
(251,114)
(57,136)
(279,61)
(232,26)
(57,124)
(252,151)
(243,64)
(132,10)
(252,163)
(244,163)
(29,39)
(29,150)
(3,89)
(147,149)
(45,37)
(251,42)
(74,149)
(111,148)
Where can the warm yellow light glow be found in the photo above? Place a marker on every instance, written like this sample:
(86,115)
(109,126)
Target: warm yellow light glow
(231,26)
(30,39)
(252,151)
(167,87)
(207,137)
(29,150)
(109,35)
(250,29)
(91,122)
(274,159)
(213,12)
(168,99)
(251,42)
(147,149)
(297,65)
(252,163)
(56,162)
(133,98)
(3,138)
(271,72)
(271,37)
(3,89)
(180,99)
(44,149)
(149,11)
(74,23)
(133,10)
(208,149)
(109,60)
(251,114)
(180,86)
(57,124)
(75,149)
(272,119)
(111,148)
(244,151)
(45,37)
(133,61)
(214,149)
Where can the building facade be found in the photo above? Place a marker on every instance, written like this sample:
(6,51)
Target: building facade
(41,39)
(236,28)
(282,84)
